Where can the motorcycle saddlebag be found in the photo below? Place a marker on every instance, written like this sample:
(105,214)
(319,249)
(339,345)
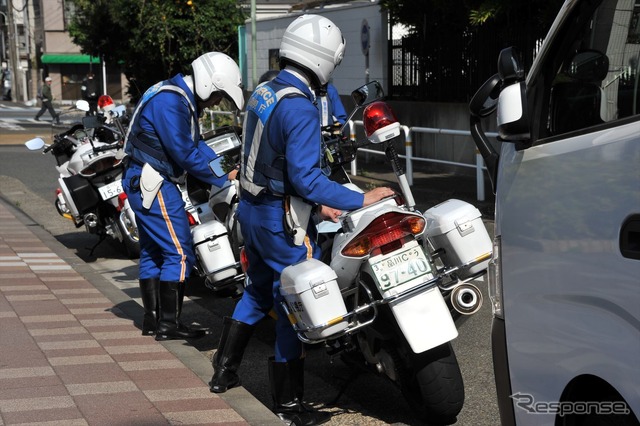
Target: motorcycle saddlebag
(312,294)
(456,227)
(213,250)
(84,195)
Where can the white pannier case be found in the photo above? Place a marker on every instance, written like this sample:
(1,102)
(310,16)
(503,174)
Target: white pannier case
(214,251)
(457,228)
(312,294)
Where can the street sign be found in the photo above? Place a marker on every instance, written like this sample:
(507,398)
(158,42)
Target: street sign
(365,37)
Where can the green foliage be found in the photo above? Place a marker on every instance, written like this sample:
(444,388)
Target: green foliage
(155,39)
(455,41)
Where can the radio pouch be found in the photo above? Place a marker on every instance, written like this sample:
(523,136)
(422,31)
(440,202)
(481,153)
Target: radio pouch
(150,183)
(297,213)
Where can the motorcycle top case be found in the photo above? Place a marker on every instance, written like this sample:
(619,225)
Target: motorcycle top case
(456,227)
(214,251)
(312,294)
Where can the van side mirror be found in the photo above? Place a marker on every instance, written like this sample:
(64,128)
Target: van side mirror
(513,117)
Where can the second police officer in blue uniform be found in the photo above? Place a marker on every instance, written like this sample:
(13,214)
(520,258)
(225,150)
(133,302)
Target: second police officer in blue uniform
(281,158)
(161,144)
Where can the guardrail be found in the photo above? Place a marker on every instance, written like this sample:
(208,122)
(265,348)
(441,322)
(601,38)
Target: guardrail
(408,157)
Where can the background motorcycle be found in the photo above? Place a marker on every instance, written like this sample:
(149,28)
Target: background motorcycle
(90,175)
(382,297)
(211,209)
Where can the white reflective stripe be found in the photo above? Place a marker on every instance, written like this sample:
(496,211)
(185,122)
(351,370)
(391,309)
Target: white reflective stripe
(162,88)
(303,44)
(246,178)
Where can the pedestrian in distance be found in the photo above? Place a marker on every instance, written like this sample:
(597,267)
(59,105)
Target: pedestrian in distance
(281,164)
(46,97)
(162,143)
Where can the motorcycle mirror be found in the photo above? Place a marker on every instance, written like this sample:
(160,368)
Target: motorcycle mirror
(368,93)
(35,144)
(364,95)
(216,167)
(82,105)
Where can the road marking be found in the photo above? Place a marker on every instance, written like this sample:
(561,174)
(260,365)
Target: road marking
(10,124)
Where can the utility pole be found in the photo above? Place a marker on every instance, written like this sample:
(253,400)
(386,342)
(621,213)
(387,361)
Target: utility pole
(254,45)
(13,51)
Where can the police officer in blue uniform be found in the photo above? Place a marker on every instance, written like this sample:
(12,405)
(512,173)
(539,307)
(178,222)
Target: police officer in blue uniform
(162,143)
(332,112)
(280,160)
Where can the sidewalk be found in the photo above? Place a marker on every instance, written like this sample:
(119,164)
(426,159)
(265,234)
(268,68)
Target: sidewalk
(72,355)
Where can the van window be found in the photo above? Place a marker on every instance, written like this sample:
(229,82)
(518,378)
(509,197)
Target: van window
(594,74)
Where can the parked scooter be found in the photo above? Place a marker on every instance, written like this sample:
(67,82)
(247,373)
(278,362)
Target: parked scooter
(216,233)
(90,175)
(380,296)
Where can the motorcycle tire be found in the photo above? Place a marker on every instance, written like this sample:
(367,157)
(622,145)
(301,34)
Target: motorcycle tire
(131,246)
(433,386)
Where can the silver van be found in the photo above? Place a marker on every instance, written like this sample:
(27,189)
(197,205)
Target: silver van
(564,279)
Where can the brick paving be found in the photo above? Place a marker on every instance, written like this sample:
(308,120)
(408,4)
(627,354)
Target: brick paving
(69,356)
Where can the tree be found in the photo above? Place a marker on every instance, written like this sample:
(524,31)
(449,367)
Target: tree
(456,42)
(155,39)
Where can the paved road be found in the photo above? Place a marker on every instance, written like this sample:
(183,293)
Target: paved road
(28,180)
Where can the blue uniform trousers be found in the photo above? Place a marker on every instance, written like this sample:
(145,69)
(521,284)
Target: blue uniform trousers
(166,245)
(269,250)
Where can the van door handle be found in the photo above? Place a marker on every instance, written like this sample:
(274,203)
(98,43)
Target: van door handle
(630,237)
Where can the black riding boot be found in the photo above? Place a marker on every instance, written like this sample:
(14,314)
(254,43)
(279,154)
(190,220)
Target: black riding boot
(287,388)
(149,295)
(169,304)
(234,340)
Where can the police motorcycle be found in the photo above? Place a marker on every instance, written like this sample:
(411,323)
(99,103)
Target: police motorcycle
(381,297)
(211,211)
(90,175)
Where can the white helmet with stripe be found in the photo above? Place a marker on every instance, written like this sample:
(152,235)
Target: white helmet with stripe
(314,43)
(217,72)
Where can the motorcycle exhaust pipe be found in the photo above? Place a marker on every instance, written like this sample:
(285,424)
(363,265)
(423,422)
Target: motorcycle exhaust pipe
(91,222)
(466,299)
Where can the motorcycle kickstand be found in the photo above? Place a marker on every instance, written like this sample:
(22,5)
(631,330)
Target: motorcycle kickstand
(100,240)
(354,374)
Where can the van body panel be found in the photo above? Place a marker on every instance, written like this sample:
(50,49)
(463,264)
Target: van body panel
(559,211)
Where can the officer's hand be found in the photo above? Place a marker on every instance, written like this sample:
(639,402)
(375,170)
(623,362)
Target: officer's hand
(329,213)
(377,194)
(232,174)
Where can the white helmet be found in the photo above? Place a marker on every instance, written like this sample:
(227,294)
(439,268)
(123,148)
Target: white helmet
(217,72)
(315,43)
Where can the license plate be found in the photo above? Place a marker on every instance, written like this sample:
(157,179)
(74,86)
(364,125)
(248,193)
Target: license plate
(400,267)
(111,190)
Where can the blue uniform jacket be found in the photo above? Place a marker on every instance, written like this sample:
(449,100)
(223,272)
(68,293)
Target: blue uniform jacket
(167,117)
(294,129)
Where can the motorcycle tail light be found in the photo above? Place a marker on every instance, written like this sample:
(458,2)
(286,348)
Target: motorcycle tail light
(386,233)
(121,199)
(192,220)
(380,123)
(101,165)
(244,260)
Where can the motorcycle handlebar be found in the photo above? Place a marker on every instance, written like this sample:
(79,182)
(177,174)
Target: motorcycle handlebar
(107,147)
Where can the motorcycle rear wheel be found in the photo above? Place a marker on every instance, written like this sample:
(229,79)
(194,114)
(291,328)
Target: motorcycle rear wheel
(433,385)
(131,246)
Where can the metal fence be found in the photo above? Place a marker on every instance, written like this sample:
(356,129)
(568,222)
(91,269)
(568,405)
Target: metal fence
(408,157)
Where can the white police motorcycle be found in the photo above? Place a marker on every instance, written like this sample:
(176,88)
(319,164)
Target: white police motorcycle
(90,174)
(381,295)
